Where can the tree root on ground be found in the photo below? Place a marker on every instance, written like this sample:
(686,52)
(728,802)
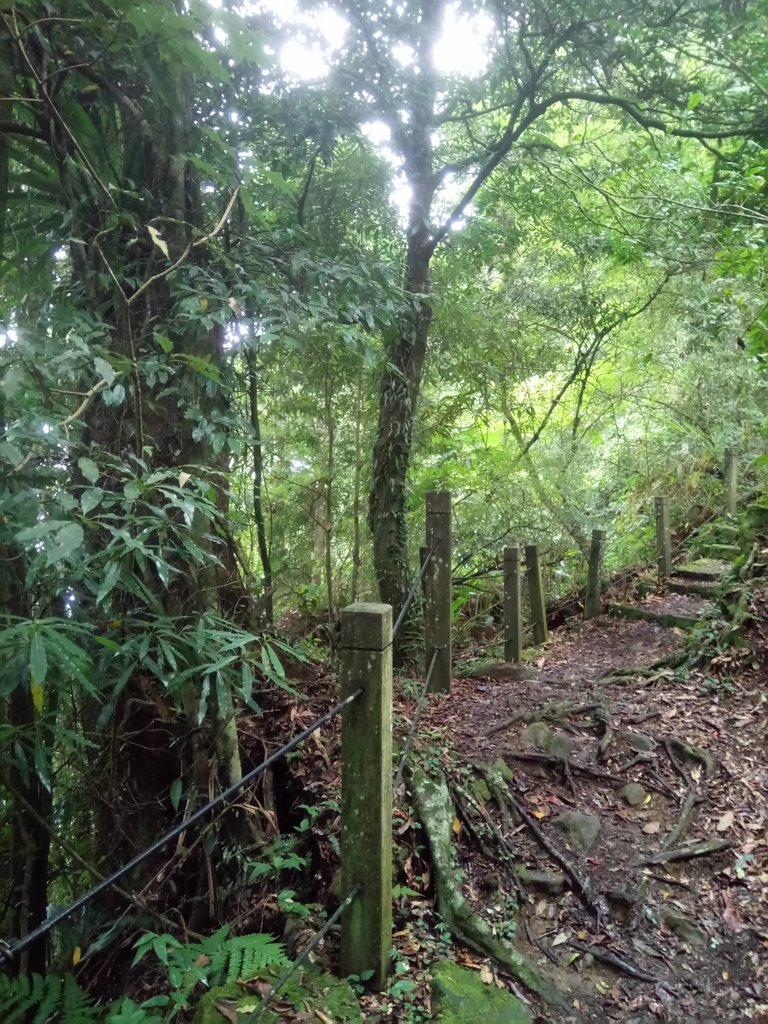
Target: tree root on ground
(501,792)
(435,809)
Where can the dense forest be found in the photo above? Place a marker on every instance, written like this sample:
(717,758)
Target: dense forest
(269,275)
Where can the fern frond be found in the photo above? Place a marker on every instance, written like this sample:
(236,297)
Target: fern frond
(31,997)
(243,957)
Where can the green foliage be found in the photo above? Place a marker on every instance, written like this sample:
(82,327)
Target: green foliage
(215,960)
(32,999)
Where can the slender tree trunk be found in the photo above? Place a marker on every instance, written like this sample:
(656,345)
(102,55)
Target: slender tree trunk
(258,478)
(356,502)
(330,456)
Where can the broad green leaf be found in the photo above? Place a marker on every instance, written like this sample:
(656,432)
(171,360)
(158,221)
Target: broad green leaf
(90,499)
(89,469)
(68,541)
(38,662)
(104,369)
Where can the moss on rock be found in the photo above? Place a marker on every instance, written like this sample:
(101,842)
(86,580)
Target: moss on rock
(460,997)
(313,988)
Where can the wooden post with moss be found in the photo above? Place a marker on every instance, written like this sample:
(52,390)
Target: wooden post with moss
(731,482)
(437,591)
(513,627)
(536,594)
(663,538)
(592,602)
(366,790)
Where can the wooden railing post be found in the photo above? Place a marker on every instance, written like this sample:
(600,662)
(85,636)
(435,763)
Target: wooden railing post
(592,602)
(731,482)
(437,592)
(513,628)
(663,538)
(536,594)
(366,789)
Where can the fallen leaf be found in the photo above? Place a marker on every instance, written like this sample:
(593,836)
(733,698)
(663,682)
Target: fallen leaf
(560,939)
(486,974)
(226,1011)
(456,826)
(725,822)
(652,828)
(183,477)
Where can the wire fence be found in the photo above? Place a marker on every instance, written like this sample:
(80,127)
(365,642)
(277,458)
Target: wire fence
(411,595)
(9,951)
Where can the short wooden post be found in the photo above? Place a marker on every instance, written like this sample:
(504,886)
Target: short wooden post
(536,594)
(513,629)
(731,482)
(592,602)
(366,789)
(437,595)
(663,538)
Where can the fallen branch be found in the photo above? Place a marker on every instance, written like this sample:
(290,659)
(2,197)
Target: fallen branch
(703,849)
(594,904)
(614,961)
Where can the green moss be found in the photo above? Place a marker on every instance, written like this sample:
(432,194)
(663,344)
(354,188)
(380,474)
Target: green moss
(309,987)
(460,997)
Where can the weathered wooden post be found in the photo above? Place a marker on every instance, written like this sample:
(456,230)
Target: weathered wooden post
(663,538)
(536,594)
(437,592)
(592,602)
(366,789)
(731,482)
(513,628)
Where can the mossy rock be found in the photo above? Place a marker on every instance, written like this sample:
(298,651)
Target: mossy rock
(460,997)
(307,988)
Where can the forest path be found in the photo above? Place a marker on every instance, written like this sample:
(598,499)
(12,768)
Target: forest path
(679,860)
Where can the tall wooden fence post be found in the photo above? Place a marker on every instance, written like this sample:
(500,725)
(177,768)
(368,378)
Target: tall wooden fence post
(663,538)
(536,594)
(592,602)
(366,789)
(513,628)
(437,596)
(731,482)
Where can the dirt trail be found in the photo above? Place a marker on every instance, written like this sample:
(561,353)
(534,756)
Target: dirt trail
(679,939)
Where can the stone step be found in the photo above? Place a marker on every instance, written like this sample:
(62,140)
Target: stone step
(724,550)
(708,569)
(670,619)
(700,588)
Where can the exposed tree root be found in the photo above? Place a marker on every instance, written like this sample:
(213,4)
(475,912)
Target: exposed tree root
(595,904)
(435,809)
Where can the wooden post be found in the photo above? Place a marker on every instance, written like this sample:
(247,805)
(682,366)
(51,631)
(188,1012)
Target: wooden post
(731,482)
(437,595)
(663,538)
(366,789)
(592,603)
(536,594)
(513,629)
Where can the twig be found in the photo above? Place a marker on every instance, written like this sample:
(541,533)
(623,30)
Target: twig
(703,849)
(595,773)
(89,395)
(614,961)
(192,245)
(594,904)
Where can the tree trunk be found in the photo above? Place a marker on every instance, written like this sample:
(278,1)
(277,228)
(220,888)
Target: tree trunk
(355,584)
(258,477)
(398,400)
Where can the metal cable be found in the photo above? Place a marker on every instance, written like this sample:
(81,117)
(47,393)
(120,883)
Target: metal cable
(9,951)
(411,594)
(257,1011)
(415,722)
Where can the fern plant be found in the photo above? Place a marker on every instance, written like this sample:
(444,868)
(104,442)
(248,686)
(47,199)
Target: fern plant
(215,960)
(32,999)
